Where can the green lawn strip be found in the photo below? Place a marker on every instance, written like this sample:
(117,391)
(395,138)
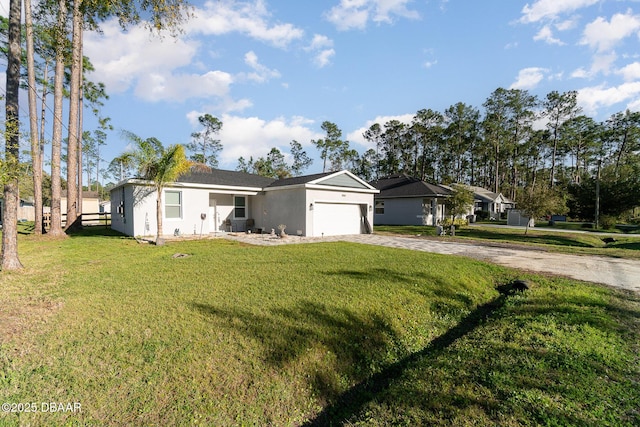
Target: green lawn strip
(235,334)
(561,242)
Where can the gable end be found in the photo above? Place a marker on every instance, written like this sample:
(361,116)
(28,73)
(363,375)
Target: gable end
(342,180)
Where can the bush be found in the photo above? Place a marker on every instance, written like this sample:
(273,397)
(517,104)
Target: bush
(607,222)
(482,215)
(458,222)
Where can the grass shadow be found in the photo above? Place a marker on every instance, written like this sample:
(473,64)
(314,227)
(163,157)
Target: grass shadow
(95,231)
(353,400)
(533,237)
(356,340)
(635,246)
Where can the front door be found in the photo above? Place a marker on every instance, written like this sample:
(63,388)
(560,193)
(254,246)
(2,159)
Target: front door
(214,221)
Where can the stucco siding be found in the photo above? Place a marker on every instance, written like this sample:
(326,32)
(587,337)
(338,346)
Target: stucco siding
(286,206)
(410,211)
(400,212)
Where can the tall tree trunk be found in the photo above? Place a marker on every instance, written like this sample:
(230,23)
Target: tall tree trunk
(10,260)
(36,157)
(72,142)
(553,158)
(56,139)
(80,124)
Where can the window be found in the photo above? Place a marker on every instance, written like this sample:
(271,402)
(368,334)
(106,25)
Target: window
(173,204)
(240,207)
(380,207)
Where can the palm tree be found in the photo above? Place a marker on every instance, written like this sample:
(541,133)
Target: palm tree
(160,165)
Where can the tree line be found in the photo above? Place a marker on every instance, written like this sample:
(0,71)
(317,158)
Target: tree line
(52,45)
(519,145)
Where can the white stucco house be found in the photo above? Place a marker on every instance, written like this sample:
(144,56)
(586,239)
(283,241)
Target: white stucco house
(406,200)
(333,203)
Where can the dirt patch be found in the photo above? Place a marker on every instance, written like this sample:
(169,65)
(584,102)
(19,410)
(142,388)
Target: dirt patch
(24,315)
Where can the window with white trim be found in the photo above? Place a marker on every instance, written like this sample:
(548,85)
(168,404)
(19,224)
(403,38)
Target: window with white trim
(240,207)
(380,207)
(173,204)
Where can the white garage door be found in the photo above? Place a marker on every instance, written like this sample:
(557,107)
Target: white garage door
(335,219)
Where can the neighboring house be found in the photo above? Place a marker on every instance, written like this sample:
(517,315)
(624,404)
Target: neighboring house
(26,210)
(105,206)
(333,203)
(494,203)
(405,200)
(90,202)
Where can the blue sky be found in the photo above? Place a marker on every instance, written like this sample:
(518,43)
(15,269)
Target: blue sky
(274,70)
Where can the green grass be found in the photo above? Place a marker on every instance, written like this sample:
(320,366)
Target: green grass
(625,246)
(325,333)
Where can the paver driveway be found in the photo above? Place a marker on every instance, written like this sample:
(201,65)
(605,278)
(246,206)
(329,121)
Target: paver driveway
(615,272)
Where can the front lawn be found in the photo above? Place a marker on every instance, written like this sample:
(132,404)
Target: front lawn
(323,333)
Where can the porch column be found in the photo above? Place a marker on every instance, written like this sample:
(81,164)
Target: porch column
(434,211)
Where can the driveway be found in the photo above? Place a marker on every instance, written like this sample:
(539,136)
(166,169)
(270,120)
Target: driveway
(619,273)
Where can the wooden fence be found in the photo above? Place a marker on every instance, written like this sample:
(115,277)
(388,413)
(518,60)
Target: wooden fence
(87,219)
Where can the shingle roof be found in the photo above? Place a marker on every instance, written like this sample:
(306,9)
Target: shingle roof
(225,177)
(296,180)
(407,186)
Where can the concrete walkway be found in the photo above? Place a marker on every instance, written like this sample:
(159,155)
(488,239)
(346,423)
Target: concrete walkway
(614,272)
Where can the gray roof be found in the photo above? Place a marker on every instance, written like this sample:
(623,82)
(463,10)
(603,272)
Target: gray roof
(407,186)
(297,180)
(227,178)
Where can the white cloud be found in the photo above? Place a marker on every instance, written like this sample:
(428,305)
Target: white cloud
(634,105)
(601,64)
(430,64)
(179,87)
(630,72)
(323,58)
(528,78)
(252,136)
(546,34)
(319,42)
(567,24)
(147,64)
(248,18)
(322,48)
(580,73)
(355,14)
(121,59)
(593,98)
(551,9)
(356,135)
(603,35)
(261,73)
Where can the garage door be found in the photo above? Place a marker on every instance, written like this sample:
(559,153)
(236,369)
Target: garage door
(335,219)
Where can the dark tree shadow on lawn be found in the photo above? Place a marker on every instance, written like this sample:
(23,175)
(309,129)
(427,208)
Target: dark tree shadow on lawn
(360,342)
(504,378)
(353,400)
(552,239)
(634,246)
(96,231)
(288,333)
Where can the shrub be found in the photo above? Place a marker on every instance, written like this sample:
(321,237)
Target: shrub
(607,222)
(458,222)
(482,215)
